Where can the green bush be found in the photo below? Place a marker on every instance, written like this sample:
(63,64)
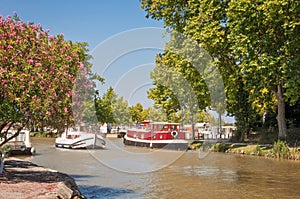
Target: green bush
(43,134)
(220,147)
(195,145)
(258,150)
(280,150)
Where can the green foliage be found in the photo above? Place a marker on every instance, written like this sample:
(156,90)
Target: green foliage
(254,44)
(112,109)
(196,145)
(157,114)
(44,134)
(280,150)
(220,147)
(138,114)
(120,111)
(6,149)
(258,151)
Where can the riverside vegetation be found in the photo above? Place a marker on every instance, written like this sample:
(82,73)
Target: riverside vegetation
(279,149)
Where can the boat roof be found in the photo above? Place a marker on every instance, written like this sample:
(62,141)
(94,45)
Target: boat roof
(171,123)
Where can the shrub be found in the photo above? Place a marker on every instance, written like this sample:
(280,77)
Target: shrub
(257,150)
(195,145)
(280,150)
(220,147)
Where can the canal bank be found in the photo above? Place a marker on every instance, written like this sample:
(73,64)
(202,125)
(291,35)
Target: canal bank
(23,179)
(278,150)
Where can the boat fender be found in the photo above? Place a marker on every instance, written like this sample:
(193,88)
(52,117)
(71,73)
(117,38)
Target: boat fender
(32,150)
(8,147)
(22,148)
(174,134)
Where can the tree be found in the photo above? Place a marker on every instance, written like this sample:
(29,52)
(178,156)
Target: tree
(37,76)
(103,106)
(120,111)
(157,114)
(254,45)
(112,109)
(191,54)
(265,37)
(83,102)
(137,113)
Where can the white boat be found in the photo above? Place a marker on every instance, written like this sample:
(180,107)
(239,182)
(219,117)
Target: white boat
(20,145)
(80,140)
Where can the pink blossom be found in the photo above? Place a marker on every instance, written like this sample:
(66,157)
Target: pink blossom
(48,113)
(10,47)
(30,61)
(38,64)
(66,110)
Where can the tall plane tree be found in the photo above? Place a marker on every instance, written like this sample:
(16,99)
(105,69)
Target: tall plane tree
(254,44)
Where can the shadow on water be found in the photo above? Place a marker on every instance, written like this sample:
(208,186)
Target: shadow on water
(98,192)
(81,177)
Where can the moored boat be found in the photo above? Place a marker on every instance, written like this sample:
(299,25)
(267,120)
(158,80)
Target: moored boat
(76,139)
(157,135)
(19,145)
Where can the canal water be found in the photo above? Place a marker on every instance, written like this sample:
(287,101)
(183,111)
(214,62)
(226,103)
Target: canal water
(129,172)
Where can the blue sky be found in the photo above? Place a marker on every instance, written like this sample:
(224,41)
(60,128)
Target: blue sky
(91,20)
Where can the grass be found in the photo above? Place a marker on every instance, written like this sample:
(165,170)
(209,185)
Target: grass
(43,134)
(279,150)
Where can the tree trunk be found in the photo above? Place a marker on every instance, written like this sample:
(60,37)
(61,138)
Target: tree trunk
(282,128)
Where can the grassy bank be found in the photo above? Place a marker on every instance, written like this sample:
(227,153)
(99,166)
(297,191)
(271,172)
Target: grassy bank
(43,134)
(278,150)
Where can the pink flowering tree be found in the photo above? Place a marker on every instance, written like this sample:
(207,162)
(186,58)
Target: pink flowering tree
(37,76)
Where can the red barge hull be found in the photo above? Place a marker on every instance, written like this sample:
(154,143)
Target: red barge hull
(158,135)
(178,146)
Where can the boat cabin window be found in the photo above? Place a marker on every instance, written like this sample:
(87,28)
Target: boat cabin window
(158,127)
(174,127)
(21,136)
(165,128)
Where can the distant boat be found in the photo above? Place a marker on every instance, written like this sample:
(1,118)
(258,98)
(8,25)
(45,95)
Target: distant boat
(162,135)
(76,139)
(20,145)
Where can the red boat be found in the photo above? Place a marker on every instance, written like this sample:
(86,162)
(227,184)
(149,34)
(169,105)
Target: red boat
(157,135)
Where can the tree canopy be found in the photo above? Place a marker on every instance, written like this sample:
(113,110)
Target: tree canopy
(254,45)
(38,72)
